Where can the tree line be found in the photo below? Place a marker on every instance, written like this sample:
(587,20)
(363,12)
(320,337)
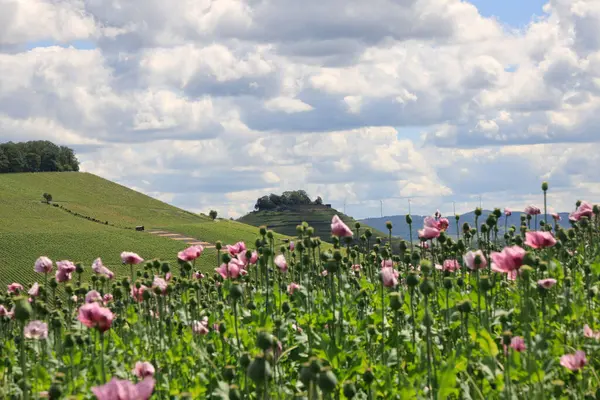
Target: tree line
(36,156)
(286,199)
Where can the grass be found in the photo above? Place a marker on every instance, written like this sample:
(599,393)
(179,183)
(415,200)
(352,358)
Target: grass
(30,228)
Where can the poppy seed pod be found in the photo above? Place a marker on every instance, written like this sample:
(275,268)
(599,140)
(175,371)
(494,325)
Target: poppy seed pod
(447,283)
(506,337)
(270,234)
(368,233)
(229,373)
(264,340)
(412,279)
(388,225)
(310,231)
(478,212)
(327,380)
(544,186)
(23,310)
(259,369)
(395,301)
(79,268)
(457,217)
(464,306)
(485,283)
(306,375)
(426,267)
(165,268)
(426,287)
(408,219)
(218,245)
(378,240)
(349,390)
(357,225)
(245,360)
(236,292)
(368,376)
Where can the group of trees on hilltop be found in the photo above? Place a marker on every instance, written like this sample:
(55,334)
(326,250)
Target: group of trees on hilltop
(286,199)
(36,156)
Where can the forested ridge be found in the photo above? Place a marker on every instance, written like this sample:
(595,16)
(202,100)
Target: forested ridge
(37,156)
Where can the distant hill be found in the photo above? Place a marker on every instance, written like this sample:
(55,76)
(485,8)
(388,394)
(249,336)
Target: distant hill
(316,215)
(400,227)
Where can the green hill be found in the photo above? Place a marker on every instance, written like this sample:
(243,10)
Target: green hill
(30,228)
(317,216)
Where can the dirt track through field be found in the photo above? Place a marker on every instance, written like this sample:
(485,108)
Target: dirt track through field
(182,238)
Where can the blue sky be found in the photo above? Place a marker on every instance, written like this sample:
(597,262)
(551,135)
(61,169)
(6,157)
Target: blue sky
(210,108)
(517,13)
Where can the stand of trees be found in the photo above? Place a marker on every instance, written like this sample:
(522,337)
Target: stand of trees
(289,198)
(37,156)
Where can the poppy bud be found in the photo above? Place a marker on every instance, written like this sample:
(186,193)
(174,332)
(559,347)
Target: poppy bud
(306,375)
(484,283)
(506,338)
(327,380)
(165,268)
(519,241)
(310,231)
(286,307)
(236,292)
(426,266)
(544,186)
(525,271)
(478,212)
(218,245)
(229,373)
(245,360)
(465,306)
(388,225)
(79,268)
(447,283)
(270,234)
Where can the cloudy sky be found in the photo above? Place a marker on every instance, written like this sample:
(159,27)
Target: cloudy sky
(212,103)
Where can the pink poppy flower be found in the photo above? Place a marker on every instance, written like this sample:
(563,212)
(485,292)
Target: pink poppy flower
(518,344)
(507,212)
(35,290)
(231,270)
(93,296)
(200,327)
(107,298)
(585,209)
(239,247)
(143,369)
(339,228)
(160,283)
(428,233)
(138,293)
(4,312)
(191,253)
(292,287)
(324,273)
(387,263)
(65,270)
(556,216)
(389,277)
(356,267)
(131,258)
(574,362)
(469,260)
(589,333)
(99,268)
(539,240)
(443,224)
(74,299)
(36,330)
(281,263)
(450,265)
(546,283)
(93,315)
(43,265)
(168,276)
(532,210)
(296,328)
(510,259)
(15,288)
(292,246)
(117,389)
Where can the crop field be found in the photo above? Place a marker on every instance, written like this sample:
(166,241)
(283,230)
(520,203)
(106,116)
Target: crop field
(473,317)
(30,228)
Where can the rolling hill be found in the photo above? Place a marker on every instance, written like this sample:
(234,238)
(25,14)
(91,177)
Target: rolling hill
(400,227)
(66,229)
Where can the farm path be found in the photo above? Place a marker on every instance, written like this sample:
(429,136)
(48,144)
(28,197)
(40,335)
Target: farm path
(182,238)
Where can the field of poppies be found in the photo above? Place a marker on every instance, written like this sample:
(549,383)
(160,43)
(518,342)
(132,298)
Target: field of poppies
(485,314)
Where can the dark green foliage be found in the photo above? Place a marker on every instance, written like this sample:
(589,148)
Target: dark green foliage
(285,200)
(36,156)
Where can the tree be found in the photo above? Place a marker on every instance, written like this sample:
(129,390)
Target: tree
(47,197)
(319,200)
(264,203)
(4,162)
(33,162)
(36,156)
(213,214)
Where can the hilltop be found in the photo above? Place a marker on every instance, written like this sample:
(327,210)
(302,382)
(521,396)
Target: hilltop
(318,216)
(400,227)
(66,228)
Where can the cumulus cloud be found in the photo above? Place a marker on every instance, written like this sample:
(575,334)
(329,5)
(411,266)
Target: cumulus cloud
(211,104)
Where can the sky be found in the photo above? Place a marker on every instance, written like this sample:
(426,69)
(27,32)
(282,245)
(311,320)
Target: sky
(210,104)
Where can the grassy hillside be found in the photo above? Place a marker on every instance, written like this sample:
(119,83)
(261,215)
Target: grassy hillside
(30,228)
(317,216)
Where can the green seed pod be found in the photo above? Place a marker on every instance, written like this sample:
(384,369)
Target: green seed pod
(395,301)
(428,320)
(286,307)
(544,186)
(447,283)
(465,306)
(368,376)
(478,212)
(259,370)
(236,292)
(55,391)
(245,360)
(264,340)
(426,267)
(349,390)
(23,310)
(408,219)
(426,287)
(229,373)
(165,267)
(485,283)
(310,231)
(315,365)
(412,279)
(506,337)
(234,393)
(388,225)
(327,380)
(526,272)
(306,375)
